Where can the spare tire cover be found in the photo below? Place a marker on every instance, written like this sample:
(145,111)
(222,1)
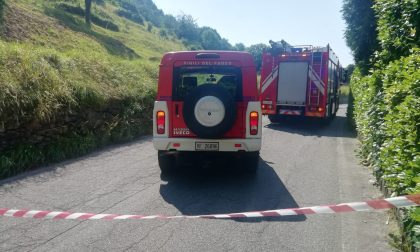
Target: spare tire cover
(209,111)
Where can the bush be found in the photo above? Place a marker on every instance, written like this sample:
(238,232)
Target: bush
(135,17)
(387,112)
(398,27)
(387,116)
(399,155)
(350,110)
(386,106)
(368,112)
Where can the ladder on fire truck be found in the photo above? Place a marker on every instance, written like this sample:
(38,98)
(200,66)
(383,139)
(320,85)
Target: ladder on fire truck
(316,86)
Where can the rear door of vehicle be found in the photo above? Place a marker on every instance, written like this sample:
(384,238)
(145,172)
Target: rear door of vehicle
(188,77)
(292,83)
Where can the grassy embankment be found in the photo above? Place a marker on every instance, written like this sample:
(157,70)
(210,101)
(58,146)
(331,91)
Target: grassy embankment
(67,88)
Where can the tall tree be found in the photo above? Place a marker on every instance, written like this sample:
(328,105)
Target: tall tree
(187,28)
(225,45)
(361,33)
(239,47)
(210,39)
(257,51)
(88,8)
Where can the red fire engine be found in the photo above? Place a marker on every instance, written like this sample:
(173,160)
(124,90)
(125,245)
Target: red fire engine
(299,81)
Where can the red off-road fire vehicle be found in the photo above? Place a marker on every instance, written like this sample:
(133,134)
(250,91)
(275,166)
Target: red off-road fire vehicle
(300,81)
(207,102)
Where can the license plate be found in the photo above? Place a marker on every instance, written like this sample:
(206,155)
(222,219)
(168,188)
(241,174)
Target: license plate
(203,146)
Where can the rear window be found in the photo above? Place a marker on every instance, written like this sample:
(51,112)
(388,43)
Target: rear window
(186,79)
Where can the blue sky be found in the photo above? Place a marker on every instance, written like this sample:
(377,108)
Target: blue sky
(299,22)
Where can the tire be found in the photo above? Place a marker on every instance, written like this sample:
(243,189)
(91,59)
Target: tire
(218,94)
(250,162)
(166,162)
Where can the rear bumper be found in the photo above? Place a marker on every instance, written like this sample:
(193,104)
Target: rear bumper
(315,114)
(225,145)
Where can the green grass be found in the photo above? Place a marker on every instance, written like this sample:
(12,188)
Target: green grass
(54,67)
(38,83)
(77,36)
(344,94)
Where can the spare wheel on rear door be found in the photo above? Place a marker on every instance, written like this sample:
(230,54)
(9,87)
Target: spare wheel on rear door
(209,111)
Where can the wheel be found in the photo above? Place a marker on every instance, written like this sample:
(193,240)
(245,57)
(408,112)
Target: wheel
(249,162)
(209,111)
(166,161)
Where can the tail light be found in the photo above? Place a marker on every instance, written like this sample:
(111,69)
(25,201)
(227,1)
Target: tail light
(266,107)
(160,121)
(253,123)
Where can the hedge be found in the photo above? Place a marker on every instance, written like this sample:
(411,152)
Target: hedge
(387,116)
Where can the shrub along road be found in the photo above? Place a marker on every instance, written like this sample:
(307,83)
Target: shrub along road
(302,164)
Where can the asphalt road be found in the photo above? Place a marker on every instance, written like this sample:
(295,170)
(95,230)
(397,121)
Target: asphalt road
(302,164)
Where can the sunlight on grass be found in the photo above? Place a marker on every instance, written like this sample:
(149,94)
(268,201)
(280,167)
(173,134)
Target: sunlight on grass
(55,68)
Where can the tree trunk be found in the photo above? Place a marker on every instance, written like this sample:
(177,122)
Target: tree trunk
(2,3)
(88,5)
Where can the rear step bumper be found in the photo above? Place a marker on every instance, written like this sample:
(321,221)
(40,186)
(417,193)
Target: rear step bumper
(189,144)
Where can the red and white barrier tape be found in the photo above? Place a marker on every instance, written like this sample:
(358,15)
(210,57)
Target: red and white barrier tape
(396,202)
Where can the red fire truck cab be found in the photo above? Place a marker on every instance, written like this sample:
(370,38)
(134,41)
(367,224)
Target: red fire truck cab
(299,81)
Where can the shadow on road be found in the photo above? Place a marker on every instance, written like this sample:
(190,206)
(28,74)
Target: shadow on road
(337,127)
(220,188)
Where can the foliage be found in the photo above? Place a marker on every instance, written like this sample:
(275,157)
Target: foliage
(386,105)
(187,28)
(26,156)
(45,86)
(368,112)
(184,26)
(257,51)
(133,16)
(53,74)
(239,47)
(209,38)
(360,33)
(107,24)
(399,156)
(387,116)
(146,9)
(2,4)
(398,26)
(350,110)
(349,71)
(38,83)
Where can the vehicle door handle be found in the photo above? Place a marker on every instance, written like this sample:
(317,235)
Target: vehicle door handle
(176,110)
